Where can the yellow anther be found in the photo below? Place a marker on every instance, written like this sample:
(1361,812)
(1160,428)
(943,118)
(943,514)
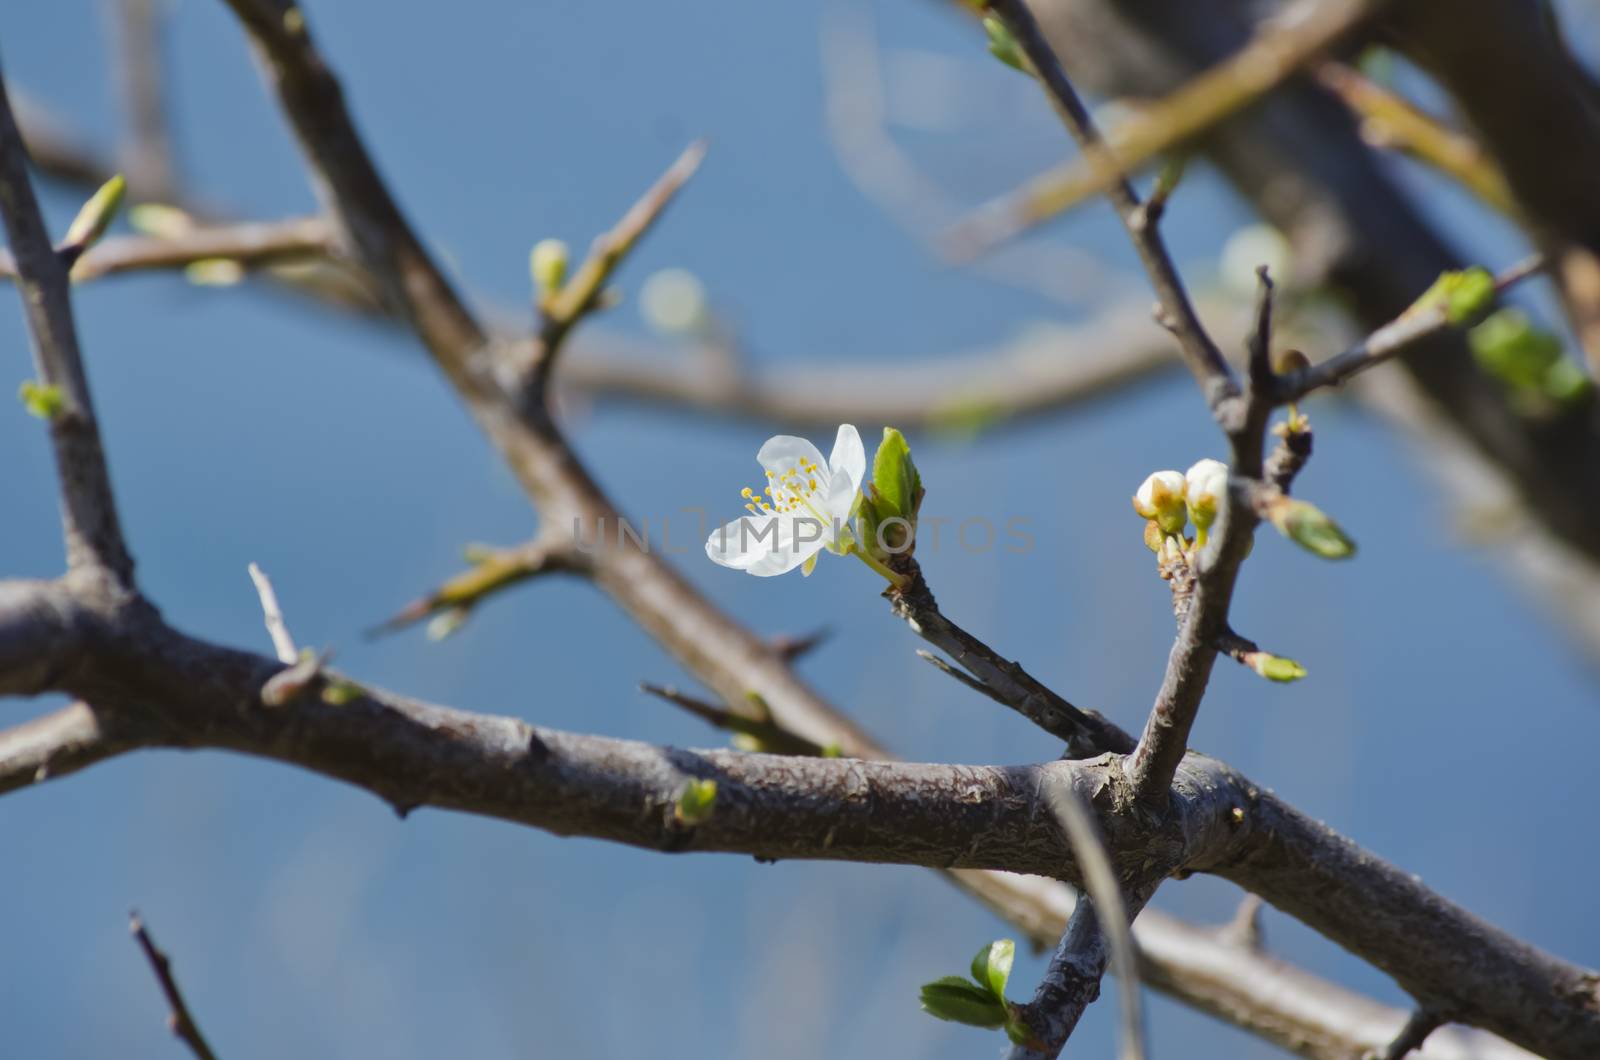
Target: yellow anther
(812,483)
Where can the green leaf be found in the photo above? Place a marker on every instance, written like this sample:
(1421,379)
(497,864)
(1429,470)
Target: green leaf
(1511,348)
(1309,527)
(96,215)
(895,478)
(696,802)
(41,399)
(992,966)
(959,1001)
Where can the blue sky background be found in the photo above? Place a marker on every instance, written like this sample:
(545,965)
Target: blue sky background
(244,426)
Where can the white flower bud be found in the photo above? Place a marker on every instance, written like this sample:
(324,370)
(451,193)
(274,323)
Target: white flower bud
(1161,498)
(1205,483)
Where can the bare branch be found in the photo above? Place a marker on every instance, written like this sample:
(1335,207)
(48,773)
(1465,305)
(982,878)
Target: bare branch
(62,742)
(1073,978)
(767,734)
(1413,1035)
(1205,361)
(147,150)
(1071,983)
(277,628)
(1277,51)
(1392,122)
(1086,732)
(562,310)
(249,245)
(492,572)
(790,647)
(89,514)
(370,223)
(178,1018)
(1411,327)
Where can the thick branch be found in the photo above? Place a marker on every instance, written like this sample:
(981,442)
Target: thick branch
(769,806)
(65,741)
(1070,985)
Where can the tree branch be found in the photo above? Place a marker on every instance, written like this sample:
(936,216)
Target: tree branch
(65,741)
(563,309)
(413,754)
(89,514)
(147,151)
(1205,361)
(249,244)
(1406,331)
(1277,51)
(179,1019)
(1087,733)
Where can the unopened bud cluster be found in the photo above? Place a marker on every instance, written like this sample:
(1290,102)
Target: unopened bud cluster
(1169,501)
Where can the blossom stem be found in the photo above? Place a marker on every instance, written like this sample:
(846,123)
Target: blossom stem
(895,579)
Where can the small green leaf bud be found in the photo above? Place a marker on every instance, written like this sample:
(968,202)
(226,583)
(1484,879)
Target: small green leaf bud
(41,399)
(95,216)
(548,266)
(695,802)
(1309,527)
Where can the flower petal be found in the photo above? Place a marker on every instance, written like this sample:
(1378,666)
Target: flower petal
(783,451)
(849,457)
(741,542)
(769,545)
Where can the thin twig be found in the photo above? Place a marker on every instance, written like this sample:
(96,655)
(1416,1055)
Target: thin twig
(277,628)
(1422,1023)
(491,573)
(770,736)
(248,244)
(1275,54)
(179,1019)
(1205,361)
(147,149)
(1245,928)
(1411,327)
(92,529)
(1390,121)
(578,296)
(1086,732)
(791,648)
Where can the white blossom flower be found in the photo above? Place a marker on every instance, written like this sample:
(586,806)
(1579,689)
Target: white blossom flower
(805,507)
(1205,483)
(1161,498)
